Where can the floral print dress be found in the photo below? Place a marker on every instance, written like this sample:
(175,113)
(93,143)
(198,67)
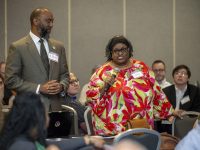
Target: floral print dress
(134,94)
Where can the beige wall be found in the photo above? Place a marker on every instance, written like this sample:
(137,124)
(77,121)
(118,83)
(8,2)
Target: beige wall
(158,29)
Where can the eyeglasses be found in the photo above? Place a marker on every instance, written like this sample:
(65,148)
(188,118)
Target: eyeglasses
(182,73)
(122,50)
(74,82)
(158,70)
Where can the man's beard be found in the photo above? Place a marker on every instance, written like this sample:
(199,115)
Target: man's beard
(44,32)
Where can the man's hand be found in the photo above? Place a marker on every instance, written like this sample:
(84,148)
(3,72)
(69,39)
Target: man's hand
(178,113)
(51,87)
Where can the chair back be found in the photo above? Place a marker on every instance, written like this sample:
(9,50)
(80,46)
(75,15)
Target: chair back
(75,119)
(181,126)
(88,120)
(60,124)
(151,139)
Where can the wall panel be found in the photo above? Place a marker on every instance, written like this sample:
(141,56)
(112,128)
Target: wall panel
(149,26)
(2,30)
(188,35)
(94,22)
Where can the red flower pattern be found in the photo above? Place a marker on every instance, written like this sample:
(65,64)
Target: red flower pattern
(129,97)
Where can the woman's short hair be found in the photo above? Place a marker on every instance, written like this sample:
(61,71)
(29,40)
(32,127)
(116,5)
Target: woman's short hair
(182,67)
(115,40)
(26,115)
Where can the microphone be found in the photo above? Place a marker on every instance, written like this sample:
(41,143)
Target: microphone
(111,82)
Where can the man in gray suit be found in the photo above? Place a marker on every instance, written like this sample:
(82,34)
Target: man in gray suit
(25,69)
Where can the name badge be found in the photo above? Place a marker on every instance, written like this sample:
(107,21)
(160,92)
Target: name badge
(185,100)
(53,56)
(137,74)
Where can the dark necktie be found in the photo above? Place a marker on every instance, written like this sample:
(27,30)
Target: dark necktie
(44,56)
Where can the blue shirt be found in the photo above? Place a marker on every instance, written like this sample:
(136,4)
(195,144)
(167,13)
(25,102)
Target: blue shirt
(190,141)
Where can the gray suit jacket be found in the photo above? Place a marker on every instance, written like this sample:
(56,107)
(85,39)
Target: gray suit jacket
(25,70)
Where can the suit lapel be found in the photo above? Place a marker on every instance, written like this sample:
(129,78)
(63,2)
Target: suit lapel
(173,96)
(34,54)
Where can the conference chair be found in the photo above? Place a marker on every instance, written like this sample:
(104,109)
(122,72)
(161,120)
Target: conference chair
(181,126)
(75,118)
(60,124)
(151,139)
(88,120)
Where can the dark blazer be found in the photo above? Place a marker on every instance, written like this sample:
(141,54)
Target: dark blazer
(193,93)
(25,70)
(74,103)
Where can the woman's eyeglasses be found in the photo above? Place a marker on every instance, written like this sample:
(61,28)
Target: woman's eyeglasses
(118,51)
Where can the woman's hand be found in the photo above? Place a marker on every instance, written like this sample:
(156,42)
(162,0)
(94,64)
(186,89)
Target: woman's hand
(109,82)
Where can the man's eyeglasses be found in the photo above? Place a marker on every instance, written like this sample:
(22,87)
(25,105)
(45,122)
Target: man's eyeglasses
(182,73)
(122,50)
(158,70)
(73,82)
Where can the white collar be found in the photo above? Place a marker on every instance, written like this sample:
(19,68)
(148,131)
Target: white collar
(183,91)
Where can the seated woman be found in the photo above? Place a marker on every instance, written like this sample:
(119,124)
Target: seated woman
(4,109)
(72,101)
(26,127)
(1,100)
(9,95)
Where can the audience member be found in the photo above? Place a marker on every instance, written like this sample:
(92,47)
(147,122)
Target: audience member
(82,98)
(129,145)
(1,89)
(37,63)
(1,99)
(71,100)
(9,95)
(4,109)
(124,89)
(2,68)
(190,141)
(26,128)
(159,69)
(183,95)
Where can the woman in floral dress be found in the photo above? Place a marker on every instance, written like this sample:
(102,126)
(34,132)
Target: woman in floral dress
(124,89)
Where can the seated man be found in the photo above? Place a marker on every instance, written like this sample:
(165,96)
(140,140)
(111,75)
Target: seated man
(183,95)
(71,100)
(159,69)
